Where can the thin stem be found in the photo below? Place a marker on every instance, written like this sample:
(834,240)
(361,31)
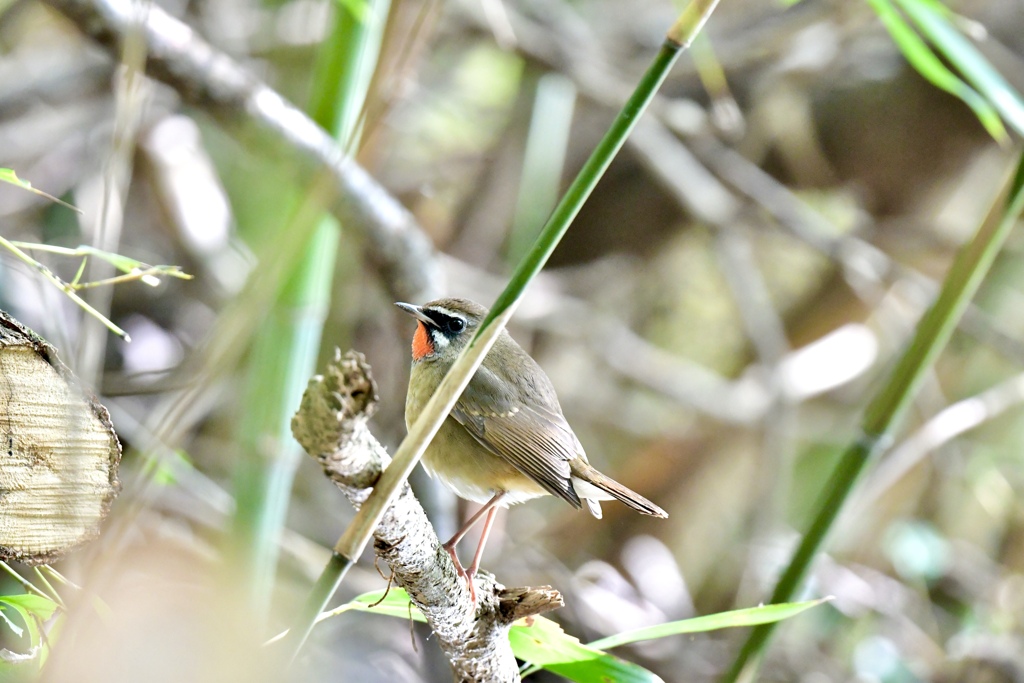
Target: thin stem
(132,269)
(585,182)
(891,403)
(60,578)
(691,21)
(25,583)
(148,276)
(319,596)
(64,287)
(52,593)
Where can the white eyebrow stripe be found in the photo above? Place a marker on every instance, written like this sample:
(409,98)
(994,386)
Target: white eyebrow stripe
(448,312)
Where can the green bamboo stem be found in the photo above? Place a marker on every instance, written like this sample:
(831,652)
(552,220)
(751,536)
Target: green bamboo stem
(543,161)
(285,350)
(352,543)
(574,197)
(881,416)
(283,357)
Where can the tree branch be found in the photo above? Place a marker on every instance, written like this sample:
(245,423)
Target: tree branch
(332,425)
(210,80)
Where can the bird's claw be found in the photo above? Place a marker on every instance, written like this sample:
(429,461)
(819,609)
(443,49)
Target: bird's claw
(463,574)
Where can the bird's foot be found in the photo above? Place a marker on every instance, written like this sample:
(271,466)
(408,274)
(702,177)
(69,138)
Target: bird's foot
(463,574)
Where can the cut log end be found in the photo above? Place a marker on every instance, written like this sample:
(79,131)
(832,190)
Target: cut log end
(58,452)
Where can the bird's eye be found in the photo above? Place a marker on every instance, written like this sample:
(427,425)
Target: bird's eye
(456,325)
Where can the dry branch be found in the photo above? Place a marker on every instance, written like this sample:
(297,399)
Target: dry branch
(58,465)
(332,425)
(215,83)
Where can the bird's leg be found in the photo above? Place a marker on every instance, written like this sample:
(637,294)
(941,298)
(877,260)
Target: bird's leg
(483,541)
(489,508)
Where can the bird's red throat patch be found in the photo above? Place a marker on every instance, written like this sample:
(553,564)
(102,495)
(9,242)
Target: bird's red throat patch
(422,344)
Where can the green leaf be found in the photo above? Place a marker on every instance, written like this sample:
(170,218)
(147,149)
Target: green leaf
(34,610)
(753,616)
(17,667)
(976,69)
(395,604)
(37,605)
(17,630)
(931,67)
(546,645)
(7,175)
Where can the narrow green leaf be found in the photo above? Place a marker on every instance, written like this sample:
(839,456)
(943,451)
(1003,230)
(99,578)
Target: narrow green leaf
(546,645)
(931,67)
(125,264)
(976,69)
(752,616)
(7,175)
(395,604)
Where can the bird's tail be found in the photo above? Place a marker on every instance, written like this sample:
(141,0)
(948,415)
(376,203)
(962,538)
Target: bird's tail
(584,473)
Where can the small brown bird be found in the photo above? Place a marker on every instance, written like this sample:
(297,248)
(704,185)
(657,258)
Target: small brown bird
(506,440)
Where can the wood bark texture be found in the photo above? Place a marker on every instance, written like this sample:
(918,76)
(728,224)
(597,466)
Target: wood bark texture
(59,455)
(332,425)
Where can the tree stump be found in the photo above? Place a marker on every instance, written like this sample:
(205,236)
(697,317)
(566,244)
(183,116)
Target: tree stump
(58,452)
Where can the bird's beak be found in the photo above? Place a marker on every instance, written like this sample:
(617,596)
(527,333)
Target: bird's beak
(416,312)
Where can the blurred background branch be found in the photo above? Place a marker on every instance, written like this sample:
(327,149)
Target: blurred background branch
(211,80)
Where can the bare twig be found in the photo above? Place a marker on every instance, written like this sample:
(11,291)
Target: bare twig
(332,425)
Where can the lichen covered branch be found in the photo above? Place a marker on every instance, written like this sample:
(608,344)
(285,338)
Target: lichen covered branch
(332,425)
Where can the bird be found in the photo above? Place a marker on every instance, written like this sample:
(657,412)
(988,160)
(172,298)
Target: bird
(506,440)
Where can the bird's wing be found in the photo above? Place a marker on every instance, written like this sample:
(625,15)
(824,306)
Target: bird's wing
(538,442)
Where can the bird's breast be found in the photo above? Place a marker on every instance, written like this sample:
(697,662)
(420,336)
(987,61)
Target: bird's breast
(457,459)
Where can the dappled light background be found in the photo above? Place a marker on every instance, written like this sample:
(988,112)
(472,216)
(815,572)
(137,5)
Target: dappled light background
(714,322)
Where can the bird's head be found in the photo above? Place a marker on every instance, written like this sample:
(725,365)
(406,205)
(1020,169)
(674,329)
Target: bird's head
(443,327)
